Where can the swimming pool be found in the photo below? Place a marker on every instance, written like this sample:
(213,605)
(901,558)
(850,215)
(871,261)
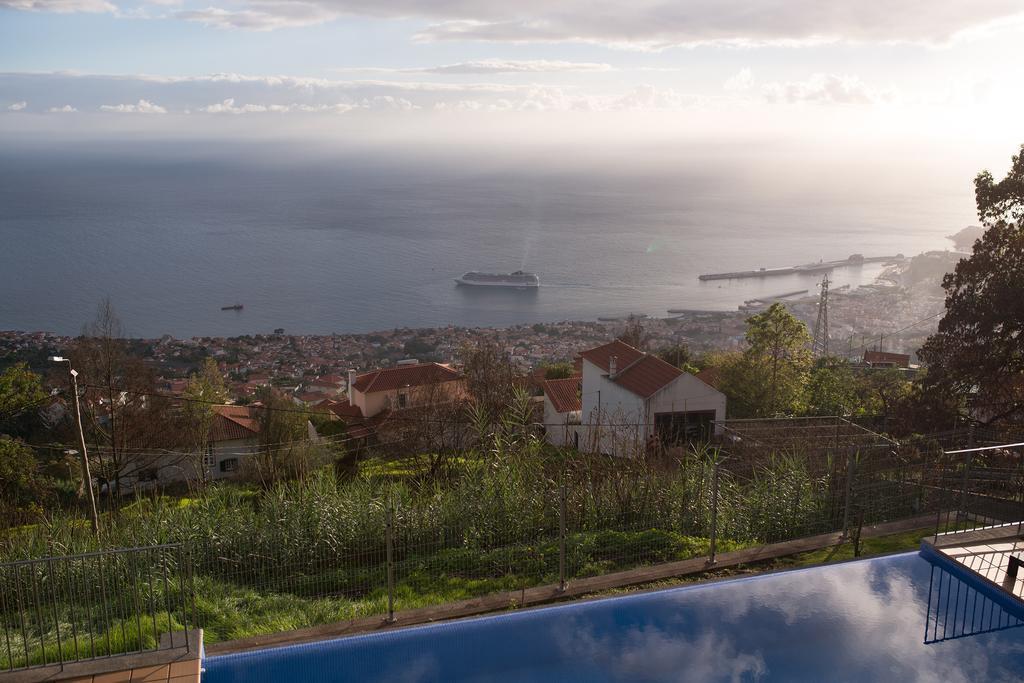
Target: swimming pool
(896,618)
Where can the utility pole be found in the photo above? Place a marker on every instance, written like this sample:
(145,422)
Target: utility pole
(820,345)
(86,474)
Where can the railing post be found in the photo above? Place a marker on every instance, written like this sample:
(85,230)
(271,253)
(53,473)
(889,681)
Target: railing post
(714,514)
(561,536)
(961,513)
(389,532)
(847,495)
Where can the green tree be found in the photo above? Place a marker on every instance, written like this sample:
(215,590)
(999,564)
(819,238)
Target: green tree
(832,388)
(205,389)
(769,377)
(559,371)
(679,355)
(976,352)
(24,490)
(21,395)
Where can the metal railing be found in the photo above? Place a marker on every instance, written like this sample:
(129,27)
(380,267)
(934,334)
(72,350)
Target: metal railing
(57,610)
(391,549)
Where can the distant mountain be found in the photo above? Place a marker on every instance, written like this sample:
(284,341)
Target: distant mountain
(965,239)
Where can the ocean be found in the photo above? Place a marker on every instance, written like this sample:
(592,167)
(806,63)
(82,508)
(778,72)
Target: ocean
(359,239)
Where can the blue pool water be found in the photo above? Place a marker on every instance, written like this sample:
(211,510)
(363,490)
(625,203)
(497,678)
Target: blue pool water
(897,618)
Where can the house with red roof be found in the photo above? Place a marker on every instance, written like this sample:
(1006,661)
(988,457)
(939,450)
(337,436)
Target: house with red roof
(234,435)
(410,385)
(562,410)
(631,400)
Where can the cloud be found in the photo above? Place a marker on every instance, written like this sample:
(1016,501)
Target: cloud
(66,109)
(59,6)
(826,89)
(740,81)
(262,16)
(142,107)
(228,106)
(17,106)
(502,66)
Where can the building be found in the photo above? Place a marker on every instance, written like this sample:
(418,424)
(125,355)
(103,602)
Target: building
(884,359)
(562,407)
(403,386)
(234,435)
(631,401)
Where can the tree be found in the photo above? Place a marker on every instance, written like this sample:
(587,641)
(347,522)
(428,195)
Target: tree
(679,355)
(204,390)
(769,377)
(21,395)
(832,388)
(24,491)
(559,371)
(634,333)
(121,406)
(489,376)
(285,451)
(976,352)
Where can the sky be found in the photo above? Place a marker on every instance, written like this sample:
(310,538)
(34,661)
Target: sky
(846,71)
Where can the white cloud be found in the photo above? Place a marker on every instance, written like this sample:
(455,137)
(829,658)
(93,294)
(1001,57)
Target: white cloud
(500,66)
(228,106)
(141,107)
(740,81)
(59,6)
(262,16)
(826,89)
(17,106)
(66,109)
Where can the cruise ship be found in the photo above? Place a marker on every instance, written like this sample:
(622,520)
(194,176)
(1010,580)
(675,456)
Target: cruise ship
(517,280)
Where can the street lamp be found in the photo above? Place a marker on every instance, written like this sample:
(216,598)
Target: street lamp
(86,475)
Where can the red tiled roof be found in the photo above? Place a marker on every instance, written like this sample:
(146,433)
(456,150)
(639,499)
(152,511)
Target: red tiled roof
(624,353)
(901,360)
(564,393)
(389,379)
(710,376)
(344,409)
(646,376)
(233,422)
(636,371)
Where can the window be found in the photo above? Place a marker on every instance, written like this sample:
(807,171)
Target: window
(208,460)
(229,464)
(403,401)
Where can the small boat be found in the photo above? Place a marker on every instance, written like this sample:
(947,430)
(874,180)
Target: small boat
(233,307)
(517,280)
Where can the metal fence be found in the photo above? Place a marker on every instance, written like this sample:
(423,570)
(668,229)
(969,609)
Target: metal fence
(398,549)
(57,610)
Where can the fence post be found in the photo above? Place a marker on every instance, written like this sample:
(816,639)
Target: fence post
(714,513)
(389,533)
(561,537)
(847,495)
(961,513)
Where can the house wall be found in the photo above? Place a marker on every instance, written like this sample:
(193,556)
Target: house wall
(557,429)
(610,414)
(687,394)
(618,421)
(375,402)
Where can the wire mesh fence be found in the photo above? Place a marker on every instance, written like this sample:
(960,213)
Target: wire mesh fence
(290,565)
(61,609)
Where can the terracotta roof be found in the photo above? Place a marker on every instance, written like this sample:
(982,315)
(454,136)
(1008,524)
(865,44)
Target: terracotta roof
(233,422)
(564,393)
(344,409)
(710,376)
(901,360)
(636,371)
(646,376)
(389,379)
(624,353)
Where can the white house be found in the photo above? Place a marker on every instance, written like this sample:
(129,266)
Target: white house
(562,411)
(234,435)
(631,400)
